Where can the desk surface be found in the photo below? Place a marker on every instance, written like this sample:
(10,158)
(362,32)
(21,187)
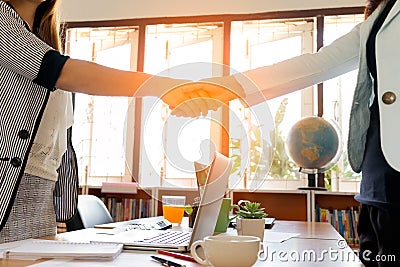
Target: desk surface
(316,245)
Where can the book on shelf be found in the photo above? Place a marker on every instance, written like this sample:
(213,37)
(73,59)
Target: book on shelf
(355,214)
(124,209)
(343,220)
(37,248)
(119,187)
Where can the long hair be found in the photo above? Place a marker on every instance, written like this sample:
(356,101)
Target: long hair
(370,6)
(46,24)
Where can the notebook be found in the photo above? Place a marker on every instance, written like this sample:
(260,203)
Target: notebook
(207,215)
(36,248)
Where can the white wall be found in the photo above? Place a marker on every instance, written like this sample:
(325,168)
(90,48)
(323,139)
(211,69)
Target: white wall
(89,10)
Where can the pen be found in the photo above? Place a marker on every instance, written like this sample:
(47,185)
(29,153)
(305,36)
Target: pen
(176,255)
(167,262)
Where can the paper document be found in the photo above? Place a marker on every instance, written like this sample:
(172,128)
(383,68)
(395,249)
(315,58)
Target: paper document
(130,259)
(277,237)
(36,248)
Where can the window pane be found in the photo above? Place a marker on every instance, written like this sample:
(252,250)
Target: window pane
(100,122)
(260,43)
(338,96)
(167,48)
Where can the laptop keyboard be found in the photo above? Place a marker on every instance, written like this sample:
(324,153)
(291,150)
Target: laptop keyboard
(169,237)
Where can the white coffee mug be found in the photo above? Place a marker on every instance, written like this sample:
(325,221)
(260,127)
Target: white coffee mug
(227,251)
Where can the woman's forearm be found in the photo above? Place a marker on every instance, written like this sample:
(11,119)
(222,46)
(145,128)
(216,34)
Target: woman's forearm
(94,79)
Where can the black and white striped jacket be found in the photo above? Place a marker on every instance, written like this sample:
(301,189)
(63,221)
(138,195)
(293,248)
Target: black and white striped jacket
(29,69)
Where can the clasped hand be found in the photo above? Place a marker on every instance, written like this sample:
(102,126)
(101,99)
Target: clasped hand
(193,99)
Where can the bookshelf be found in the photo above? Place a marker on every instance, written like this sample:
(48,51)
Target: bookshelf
(291,205)
(333,200)
(341,210)
(127,206)
(145,203)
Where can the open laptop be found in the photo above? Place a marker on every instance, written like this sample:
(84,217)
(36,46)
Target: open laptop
(206,219)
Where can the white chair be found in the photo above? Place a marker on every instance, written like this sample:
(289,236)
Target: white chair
(91,211)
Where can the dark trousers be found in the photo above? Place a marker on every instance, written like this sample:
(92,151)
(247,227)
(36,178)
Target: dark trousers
(379,233)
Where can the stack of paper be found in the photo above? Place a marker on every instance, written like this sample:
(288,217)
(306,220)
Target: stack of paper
(35,248)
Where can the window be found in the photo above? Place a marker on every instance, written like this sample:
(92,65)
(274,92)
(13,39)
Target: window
(264,42)
(172,46)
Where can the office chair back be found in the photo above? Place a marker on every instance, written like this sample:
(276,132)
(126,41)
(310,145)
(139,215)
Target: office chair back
(91,211)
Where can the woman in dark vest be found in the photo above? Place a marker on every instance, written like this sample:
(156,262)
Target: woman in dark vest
(374,143)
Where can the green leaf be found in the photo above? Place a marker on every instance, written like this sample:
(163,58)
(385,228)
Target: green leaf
(249,210)
(188,209)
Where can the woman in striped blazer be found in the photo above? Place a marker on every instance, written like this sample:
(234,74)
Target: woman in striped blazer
(36,161)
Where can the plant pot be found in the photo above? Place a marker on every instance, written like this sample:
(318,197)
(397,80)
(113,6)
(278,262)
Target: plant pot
(252,227)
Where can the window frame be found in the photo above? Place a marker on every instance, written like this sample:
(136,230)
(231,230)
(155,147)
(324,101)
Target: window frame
(226,21)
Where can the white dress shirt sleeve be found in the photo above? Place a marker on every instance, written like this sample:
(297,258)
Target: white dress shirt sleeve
(302,71)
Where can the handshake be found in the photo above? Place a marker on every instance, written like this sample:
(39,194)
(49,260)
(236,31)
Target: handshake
(195,98)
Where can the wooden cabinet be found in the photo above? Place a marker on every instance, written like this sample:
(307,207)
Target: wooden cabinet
(283,205)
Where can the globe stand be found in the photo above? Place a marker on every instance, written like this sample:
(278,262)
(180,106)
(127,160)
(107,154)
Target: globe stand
(312,183)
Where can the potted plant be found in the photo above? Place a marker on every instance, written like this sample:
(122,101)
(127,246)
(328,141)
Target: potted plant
(191,211)
(250,218)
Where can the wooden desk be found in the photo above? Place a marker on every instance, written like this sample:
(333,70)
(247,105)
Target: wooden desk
(316,240)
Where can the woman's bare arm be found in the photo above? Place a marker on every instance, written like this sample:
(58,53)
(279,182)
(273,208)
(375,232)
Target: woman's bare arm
(94,79)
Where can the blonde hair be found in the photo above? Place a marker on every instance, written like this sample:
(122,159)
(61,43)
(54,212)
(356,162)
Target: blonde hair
(47,24)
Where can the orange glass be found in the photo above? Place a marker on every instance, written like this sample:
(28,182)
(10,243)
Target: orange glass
(173,208)
(173,213)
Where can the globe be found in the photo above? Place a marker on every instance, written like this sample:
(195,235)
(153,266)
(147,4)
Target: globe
(314,144)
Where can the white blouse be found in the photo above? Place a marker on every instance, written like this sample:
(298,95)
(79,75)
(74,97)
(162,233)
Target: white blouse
(51,140)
